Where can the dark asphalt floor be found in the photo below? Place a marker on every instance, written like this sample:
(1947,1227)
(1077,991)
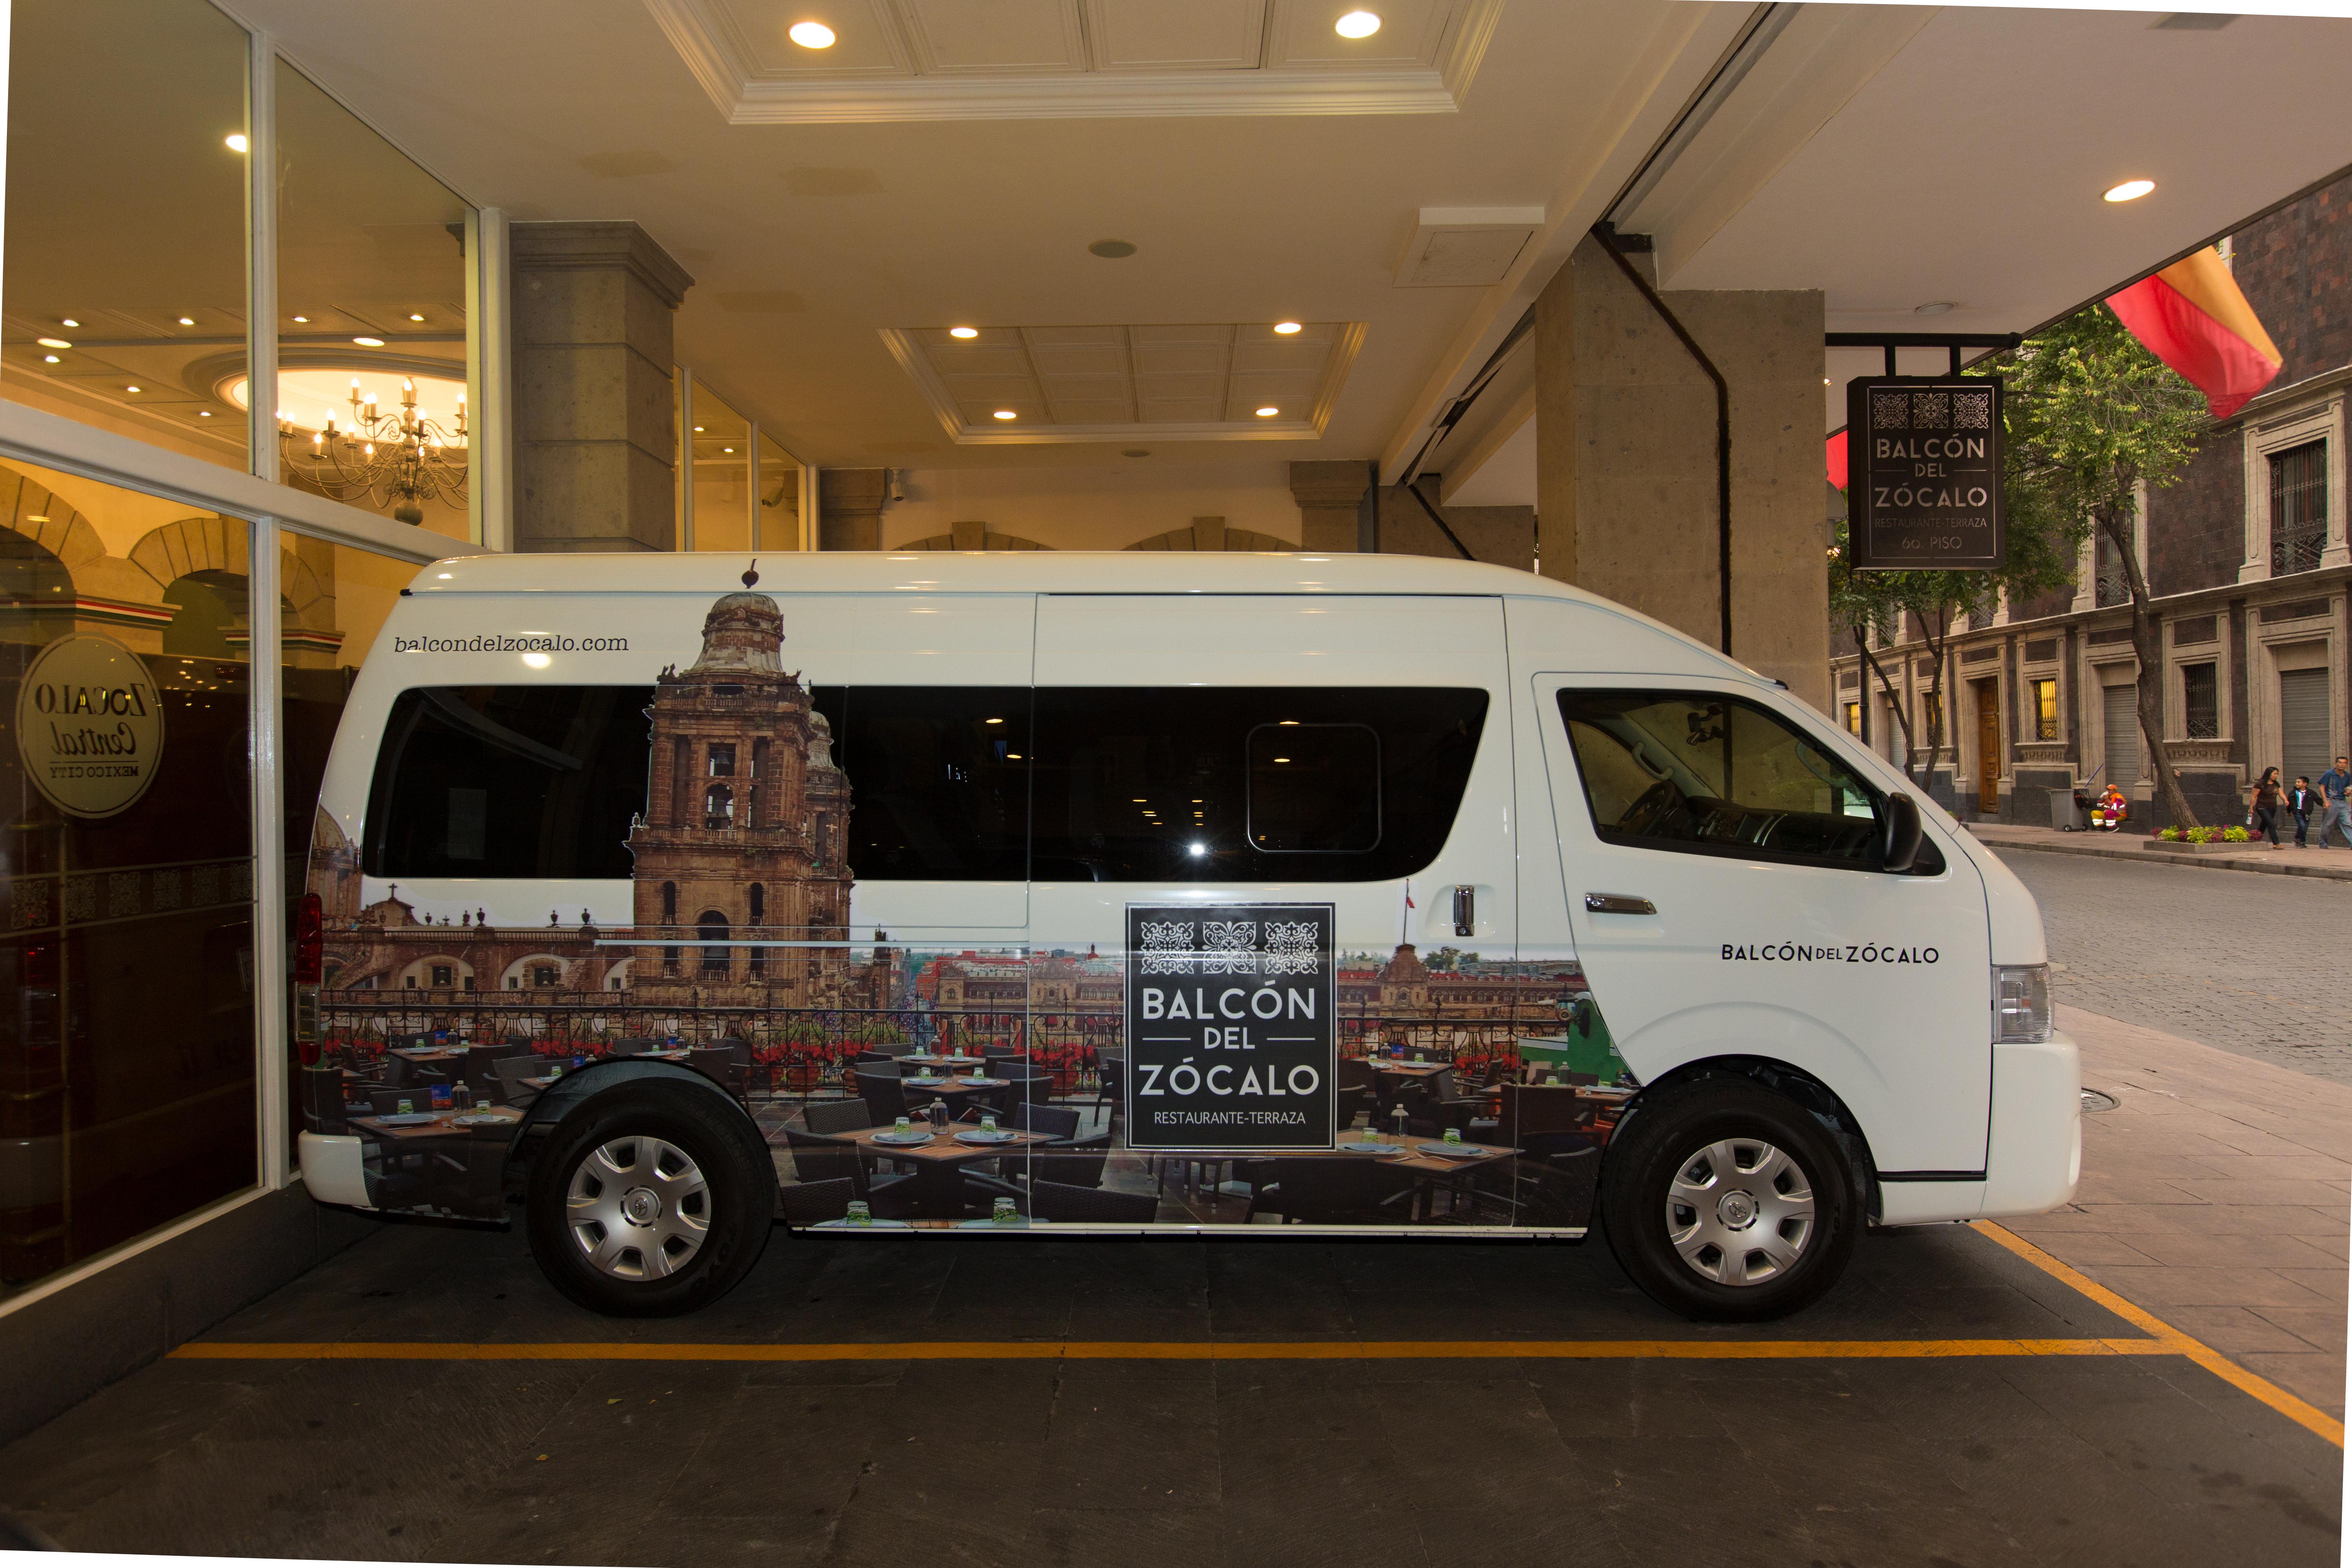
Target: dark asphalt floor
(1355,1463)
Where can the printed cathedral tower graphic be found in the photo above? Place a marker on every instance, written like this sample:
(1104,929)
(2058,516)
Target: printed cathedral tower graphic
(745,824)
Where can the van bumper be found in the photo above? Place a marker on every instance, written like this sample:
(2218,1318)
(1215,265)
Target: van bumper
(2034,1158)
(2033,1154)
(334,1168)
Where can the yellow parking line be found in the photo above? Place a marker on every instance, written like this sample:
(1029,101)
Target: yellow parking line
(1179,1349)
(2169,1341)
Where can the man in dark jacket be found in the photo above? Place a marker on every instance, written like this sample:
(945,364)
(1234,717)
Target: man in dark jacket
(2302,800)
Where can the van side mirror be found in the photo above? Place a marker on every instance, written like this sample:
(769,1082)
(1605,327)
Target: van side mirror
(1899,832)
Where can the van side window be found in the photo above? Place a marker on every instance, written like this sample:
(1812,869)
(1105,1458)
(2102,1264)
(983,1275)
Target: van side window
(1711,775)
(507,781)
(1345,784)
(938,779)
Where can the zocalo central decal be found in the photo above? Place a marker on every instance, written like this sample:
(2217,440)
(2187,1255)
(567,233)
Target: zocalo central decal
(1230,1026)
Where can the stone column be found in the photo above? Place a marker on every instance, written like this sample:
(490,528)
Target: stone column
(1330,497)
(595,442)
(849,507)
(1626,460)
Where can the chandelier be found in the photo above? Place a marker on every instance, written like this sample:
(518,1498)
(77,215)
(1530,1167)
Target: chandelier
(402,458)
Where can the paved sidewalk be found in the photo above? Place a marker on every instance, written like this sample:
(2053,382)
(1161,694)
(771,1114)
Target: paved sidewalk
(2218,1195)
(2333,864)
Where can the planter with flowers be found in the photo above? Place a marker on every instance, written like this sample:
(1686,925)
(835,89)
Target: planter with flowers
(2198,840)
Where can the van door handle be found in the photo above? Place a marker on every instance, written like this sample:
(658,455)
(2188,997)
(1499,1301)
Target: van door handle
(1618,904)
(1466,911)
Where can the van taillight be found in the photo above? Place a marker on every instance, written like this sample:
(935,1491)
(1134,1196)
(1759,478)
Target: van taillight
(310,940)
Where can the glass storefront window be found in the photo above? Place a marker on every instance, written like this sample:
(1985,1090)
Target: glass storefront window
(371,329)
(722,468)
(125,276)
(127,1058)
(780,497)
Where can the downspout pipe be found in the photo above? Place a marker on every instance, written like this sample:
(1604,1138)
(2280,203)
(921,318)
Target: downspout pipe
(1608,238)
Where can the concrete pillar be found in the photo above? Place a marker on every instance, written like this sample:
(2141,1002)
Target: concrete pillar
(595,443)
(1330,497)
(1625,465)
(849,507)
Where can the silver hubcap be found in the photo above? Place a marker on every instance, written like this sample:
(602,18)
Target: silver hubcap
(639,1208)
(1739,1211)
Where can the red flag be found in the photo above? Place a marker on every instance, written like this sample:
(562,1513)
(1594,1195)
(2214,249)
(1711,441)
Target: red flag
(2194,318)
(1837,460)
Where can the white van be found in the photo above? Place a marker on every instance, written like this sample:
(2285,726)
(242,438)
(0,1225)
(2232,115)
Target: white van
(1076,893)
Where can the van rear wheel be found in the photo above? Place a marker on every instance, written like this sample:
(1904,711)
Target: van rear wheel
(1726,1201)
(650,1199)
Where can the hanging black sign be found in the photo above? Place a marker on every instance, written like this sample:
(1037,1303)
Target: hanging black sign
(1923,473)
(1232,1039)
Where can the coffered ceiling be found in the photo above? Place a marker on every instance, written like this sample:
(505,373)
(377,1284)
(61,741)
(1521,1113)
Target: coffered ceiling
(1027,59)
(1220,382)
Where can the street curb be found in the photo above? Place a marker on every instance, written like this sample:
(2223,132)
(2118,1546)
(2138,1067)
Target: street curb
(2099,852)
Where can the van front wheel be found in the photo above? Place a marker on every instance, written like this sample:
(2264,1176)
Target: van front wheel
(650,1199)
(1725,1201)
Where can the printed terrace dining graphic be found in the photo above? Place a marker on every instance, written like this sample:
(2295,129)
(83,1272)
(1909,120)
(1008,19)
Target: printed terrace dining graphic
(914,1086)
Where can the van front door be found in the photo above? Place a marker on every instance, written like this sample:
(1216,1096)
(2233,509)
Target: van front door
(1719,865)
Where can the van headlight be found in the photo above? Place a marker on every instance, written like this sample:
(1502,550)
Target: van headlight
(2020,1004)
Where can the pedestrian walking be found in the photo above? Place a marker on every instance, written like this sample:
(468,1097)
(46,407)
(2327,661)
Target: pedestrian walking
(2335,785)
(2270,799)
(2302,800)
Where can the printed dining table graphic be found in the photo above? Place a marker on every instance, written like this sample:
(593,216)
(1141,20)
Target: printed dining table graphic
(937,1160)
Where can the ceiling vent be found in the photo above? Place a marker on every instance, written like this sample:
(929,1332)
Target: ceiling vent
(1466,247)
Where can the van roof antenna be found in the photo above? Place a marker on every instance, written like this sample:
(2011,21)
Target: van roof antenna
(751,574)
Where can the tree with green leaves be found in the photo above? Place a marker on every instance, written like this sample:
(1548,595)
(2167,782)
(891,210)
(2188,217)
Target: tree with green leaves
(2092,418)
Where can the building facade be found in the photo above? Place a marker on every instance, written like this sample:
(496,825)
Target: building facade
(2246,556)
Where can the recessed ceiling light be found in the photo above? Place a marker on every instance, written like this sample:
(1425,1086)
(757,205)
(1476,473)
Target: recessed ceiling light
(1932,308)
(697,429)
(48,358)
(369,343)
(203,413)
(187,321)
(53,342)
(235,141)
(1006,414)
(963,331)
(69,321)
(811,35)
(1358,25)
(303,319)
(1268,412)
(129,389)
(727,449)
(413,317)
(2129,191)
(1111,249)
(1285,327)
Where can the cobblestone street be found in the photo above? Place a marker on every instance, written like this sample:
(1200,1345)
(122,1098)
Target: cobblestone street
(2252,965)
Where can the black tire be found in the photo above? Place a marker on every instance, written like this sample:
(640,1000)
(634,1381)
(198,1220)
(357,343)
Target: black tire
(1715,1132)
(708,1200)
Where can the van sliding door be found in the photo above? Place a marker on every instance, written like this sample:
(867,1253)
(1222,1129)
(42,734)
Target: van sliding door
(1273,903)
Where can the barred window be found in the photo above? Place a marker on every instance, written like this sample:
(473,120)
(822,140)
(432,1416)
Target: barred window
(2298,507)
(2202,689)
(2045,710)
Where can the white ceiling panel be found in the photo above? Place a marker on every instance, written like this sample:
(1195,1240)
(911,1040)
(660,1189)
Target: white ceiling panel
(995,37)
(1196,35)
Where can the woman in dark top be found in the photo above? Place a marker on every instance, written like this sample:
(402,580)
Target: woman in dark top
(2269,798)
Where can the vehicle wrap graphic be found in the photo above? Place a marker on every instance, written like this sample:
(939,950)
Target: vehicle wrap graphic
(1454,1087)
